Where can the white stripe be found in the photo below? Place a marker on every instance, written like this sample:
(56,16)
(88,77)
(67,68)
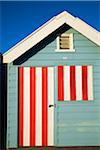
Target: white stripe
(38,106)
(90,83)
(26,117)
(66,83)
(50,109)
(78,83)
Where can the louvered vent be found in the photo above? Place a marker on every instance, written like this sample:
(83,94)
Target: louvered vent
(64,42)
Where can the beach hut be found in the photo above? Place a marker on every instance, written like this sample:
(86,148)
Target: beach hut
(53,86)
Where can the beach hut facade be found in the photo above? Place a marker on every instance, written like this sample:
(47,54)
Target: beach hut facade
(53,86)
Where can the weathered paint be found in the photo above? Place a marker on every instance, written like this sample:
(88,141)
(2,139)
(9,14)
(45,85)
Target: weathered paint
(76,123)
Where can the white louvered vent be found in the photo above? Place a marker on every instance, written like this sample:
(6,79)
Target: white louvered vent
(65,43)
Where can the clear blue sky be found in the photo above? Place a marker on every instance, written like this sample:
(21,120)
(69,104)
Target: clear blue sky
(19,19)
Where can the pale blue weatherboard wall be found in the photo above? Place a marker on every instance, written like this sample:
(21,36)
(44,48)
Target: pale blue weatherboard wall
(76,123)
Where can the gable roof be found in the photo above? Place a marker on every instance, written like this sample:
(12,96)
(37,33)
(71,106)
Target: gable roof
(50,27)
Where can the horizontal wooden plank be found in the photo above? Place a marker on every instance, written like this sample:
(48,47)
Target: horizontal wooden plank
(78,116)
(89,123)
(60,55)
(90,49)
(69,56)
(81,109)
(84,43)
(77,139)
(77,128)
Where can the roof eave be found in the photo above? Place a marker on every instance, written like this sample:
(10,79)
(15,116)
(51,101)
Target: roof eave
(50,27)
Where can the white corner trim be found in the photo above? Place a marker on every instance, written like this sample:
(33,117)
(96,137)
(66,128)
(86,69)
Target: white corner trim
(50,27)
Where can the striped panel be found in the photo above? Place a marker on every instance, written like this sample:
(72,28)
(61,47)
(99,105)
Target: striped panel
(60,83)
(84,83)
(66,83)
(44,106)
(38,134)
(36,118)
(26,108)
(21,100)
(51,110)
(72,83)
(79,83)
(90,83)
(32,105)
(75,83)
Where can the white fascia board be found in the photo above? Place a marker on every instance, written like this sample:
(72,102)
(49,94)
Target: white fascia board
(88,31)
(85,29)
(32,40)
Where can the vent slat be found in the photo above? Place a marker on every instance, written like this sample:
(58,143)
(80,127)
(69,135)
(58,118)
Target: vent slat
(64,42)
(64,47)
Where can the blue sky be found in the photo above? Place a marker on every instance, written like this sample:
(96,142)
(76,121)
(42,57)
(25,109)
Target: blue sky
(18,19)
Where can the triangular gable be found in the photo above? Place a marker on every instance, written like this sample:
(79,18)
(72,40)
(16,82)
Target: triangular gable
(46,30)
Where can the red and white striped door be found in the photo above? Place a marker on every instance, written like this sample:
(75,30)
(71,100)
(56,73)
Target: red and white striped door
(36,118)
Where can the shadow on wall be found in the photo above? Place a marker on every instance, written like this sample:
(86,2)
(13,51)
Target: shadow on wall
(35,49)
(3,104)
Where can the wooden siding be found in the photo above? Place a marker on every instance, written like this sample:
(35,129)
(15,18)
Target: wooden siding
(12,106)
(76,123)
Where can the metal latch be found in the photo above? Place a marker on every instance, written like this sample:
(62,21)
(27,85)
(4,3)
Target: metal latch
(52,105)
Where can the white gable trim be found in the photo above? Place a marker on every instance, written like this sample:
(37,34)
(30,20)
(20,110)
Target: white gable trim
(46,30)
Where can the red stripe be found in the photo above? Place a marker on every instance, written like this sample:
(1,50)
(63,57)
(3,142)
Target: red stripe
(32,105)
(60,83)
(72,83)
(84,83)
(21,101)
(44,106)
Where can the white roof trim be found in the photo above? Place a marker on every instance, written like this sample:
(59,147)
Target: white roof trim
(49,27)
